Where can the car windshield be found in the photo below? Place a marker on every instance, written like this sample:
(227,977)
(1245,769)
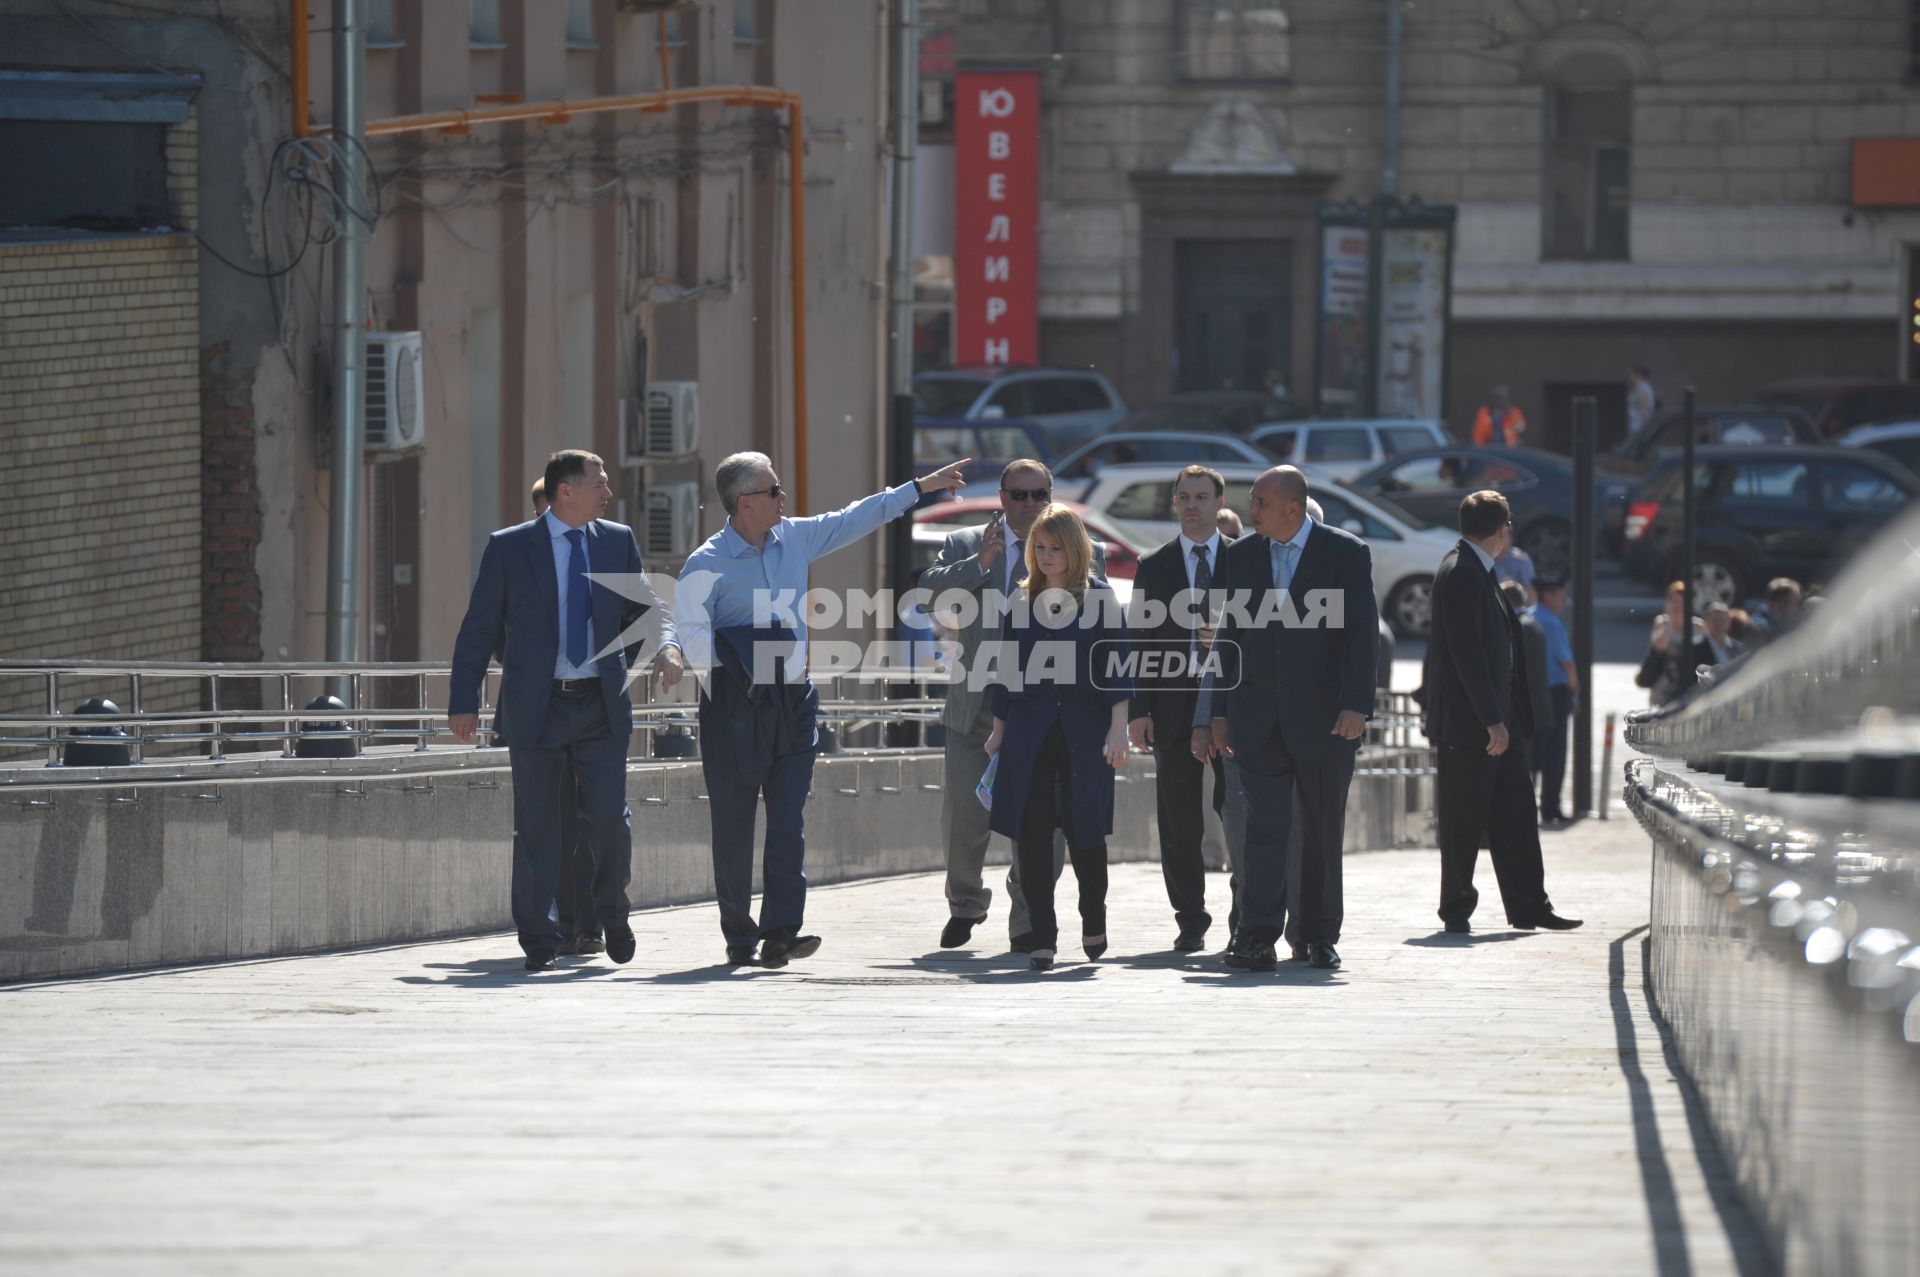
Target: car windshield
(945,396)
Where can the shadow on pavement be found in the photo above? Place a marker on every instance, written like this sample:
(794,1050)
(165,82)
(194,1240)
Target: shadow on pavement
(501,973)
(1455,940)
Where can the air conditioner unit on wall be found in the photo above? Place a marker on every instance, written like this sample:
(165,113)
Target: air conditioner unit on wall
(671,521)
(673,420)
(395,408)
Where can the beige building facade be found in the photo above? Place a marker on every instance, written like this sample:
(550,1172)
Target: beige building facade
(556,271)
(1666,184)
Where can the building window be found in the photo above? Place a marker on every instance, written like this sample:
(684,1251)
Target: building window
(1235,39)
(104,176)
(380,30)
(580,25)
(746,21)
(1589,131)
(483,24)
(1913,41)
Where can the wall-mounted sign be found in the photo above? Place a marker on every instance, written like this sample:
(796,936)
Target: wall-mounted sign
(996,251)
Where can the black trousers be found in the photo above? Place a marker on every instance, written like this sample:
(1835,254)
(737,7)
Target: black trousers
(1482,797)
(1550,753)
(1283,791)
(1048,808)
(574,900)
(1181,793)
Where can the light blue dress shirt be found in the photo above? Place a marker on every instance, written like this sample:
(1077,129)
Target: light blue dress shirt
(562,562)
(1288,560)
(727,582)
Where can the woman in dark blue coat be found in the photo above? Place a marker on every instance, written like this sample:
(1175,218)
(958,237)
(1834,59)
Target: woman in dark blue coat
(1060,725)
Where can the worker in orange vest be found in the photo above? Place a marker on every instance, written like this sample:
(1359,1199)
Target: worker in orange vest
(1499,424)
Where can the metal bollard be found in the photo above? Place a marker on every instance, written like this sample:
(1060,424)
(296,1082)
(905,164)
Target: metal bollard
(1606,766)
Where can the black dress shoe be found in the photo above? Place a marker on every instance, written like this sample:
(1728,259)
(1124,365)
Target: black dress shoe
(1040,960)
(1299,952)
(583,944)
(1550,921)
(958,931)
(1190,940)
(1323,955)
(1247,954)
(1094,946)
(777,951)
(620,944)
(539,960)
(1022,943)
(740,955)
(1459,926)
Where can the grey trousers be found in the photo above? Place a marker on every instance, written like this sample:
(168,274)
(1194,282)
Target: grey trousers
(963,823)
(1234,816)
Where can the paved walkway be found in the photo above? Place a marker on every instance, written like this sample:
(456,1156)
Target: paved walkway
(1499,1106)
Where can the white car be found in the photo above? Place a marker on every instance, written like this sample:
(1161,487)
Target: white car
(1346,449)
(1139,500)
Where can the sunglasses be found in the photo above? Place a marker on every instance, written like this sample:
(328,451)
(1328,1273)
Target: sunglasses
(776,492)
(1028,494)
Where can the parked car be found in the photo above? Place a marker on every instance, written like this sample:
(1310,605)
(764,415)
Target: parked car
(1763,512)
(1740,424)
(991,444)
(1346,449)
(1139,500)
(1899,440)
(1076,470)
(1221,412)
(1537,485)
(1123,553)
(1840,403)
(1069,405)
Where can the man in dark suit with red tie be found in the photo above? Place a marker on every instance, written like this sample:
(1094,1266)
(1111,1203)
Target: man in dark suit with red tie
(1478,714)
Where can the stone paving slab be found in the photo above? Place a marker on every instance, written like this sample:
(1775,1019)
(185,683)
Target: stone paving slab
(1499,1106)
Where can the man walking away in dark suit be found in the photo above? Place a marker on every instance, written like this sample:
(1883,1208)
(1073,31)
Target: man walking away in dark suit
(566,643)
(1291,703)
(1177,577)
(1479,709)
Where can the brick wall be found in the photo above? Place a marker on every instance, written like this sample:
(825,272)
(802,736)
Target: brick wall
(100,458)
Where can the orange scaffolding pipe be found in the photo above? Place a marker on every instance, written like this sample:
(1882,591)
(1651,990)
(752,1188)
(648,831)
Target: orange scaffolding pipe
(662,100)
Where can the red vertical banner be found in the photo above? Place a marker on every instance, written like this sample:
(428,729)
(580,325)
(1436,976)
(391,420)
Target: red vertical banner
(996,227)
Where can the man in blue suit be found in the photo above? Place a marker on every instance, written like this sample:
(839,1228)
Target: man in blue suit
(567,645)
(1298,666)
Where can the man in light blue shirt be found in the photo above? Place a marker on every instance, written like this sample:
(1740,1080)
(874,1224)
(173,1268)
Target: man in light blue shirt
(1563,686)
(738,616)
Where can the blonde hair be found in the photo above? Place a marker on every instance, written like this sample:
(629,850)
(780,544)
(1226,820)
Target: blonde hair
(1063,525)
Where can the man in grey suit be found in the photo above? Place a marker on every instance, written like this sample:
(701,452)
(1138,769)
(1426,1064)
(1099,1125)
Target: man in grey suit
(986,562)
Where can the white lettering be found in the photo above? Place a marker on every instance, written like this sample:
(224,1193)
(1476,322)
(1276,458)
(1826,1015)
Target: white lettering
(999,145)
(999,230)
(997,186)
(996,102)
(996,352)
(997,269)
(996,307)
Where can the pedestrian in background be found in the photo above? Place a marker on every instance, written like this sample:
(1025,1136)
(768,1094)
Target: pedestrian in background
(1563,696)
(573,899)
(1499,424)
(1516,565)
(1663,670)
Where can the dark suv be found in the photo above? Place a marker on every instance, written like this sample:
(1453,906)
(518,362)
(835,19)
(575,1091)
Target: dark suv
(1762,512)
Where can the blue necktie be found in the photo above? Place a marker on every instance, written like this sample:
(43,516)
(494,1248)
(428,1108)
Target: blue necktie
(579,599)
(1284,574)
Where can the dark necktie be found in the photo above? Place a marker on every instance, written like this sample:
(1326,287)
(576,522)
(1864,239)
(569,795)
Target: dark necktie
(579,599)
(1202,574)
(1018,568)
